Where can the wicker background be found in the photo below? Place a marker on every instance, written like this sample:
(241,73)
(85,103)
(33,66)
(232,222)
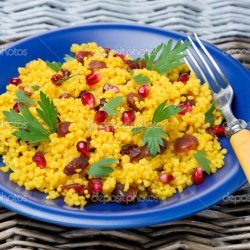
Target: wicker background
(224,23)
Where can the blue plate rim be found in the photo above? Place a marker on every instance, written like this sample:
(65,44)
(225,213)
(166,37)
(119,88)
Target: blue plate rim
(118,220)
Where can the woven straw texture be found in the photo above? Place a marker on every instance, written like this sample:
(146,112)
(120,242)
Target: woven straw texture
(225,23)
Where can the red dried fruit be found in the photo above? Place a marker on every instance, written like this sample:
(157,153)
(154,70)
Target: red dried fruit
(109,129)
(108,86)
(40,160)
(66,95)
(96,65)
(122,196)
(186,143)
(132,150)
(132,64)
(63,129)
(198,176)
(65,73)
(131,100)
(219,131)
(102,102)
(95,186)
(56,78)
(79,188)
(80,162)
(83,53)
(16,106)
(122,56)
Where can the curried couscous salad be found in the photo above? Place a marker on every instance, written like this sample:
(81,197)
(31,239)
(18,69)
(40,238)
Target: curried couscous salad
(101,124)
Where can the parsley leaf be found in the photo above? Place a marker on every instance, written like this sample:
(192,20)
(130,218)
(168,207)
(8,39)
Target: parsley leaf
(65,79)
(102,168)
(152,136)
(209,116)
(35,87)
(47,112)
(68,58)
(167,57)
(153,139)
(204,162)
(111,106)
(139,79)
(29,128)
(56,66)
(138,130)
(162,113)
(21,97)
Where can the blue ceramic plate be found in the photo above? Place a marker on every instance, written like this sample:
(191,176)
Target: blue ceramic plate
(132,39)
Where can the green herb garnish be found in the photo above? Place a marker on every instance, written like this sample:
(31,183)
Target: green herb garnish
(35,87)
(31,129)
(21,97)
(65,79)
(111,106)
(204,162)
(102,168)
(139,79)
(209,116)
(56,66)
(68,58)
(152,137)
(164,58)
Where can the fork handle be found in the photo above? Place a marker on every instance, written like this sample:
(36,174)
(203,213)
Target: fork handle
(240,142)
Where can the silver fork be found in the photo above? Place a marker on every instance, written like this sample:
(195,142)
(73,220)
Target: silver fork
(223,95)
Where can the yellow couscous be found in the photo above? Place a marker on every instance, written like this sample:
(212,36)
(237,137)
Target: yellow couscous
(83,131)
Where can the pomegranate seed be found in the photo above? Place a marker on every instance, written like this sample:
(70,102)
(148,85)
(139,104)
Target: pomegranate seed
(108,86)
(95,186)
(122,56)
(93,78)
(185,108)
(100,117)
(81,54)
(219,131)
(109,129)
(56,78)
(39,159)
(88,99)
(166,178)
(128,117)
(198,176)
(183,77)
(16,106)
(143,90)
(15,81)
(65,73)
(83,148)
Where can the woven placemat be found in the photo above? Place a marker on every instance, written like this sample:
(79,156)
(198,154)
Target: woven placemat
(224,23)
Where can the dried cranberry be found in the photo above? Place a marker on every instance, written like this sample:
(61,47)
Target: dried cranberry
(63,129)
(96,65)
(186,143)
(131,100)
(80,162)
(83,53)
(133,151)
(108,86)
(122,196)
(142,64)
(210,131)
(132,64)
(122,56)
(164,147)
(107,50)
(65,73)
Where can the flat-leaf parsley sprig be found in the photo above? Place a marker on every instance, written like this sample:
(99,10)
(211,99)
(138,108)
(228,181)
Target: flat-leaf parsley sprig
(201,157)
(111,106)
(139,79)
(22,98)
(33,131)
(152,136)
(102,168)
(166,56)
